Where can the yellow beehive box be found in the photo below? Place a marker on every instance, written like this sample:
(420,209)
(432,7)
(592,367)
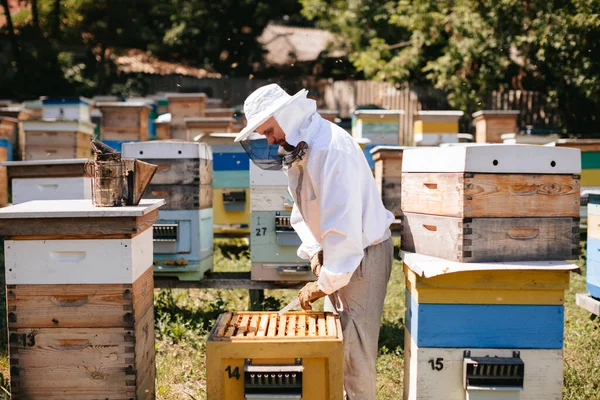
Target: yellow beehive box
(262,355)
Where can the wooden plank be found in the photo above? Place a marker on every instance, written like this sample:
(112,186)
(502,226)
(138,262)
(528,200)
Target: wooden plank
(71,227)
(233,324)
(491,239)
(282,324)
(490,195)
(588,303)
(321,326)
(522,279)
(485,296)
(223,280)
(331,328)
(312,327)
(302,325)
(222,323)
(3,187)
(253,328)
(242,328)
(291,328)
(145,362)
(80,363)
(272,325)
(47,170)
(262,326)
(543,377)
(483,325)
(95,306)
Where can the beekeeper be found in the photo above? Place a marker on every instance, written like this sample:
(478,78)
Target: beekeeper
(338,214)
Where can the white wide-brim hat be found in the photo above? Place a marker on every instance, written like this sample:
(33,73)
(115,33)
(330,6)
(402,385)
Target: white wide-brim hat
(262,104)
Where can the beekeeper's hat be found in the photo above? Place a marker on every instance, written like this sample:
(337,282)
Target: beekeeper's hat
(262,104)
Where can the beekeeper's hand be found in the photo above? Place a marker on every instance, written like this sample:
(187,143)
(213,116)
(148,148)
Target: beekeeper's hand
(316,262)
(308,294)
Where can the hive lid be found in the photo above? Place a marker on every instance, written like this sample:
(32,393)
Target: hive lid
(428,267)
(493,159)
(249,326)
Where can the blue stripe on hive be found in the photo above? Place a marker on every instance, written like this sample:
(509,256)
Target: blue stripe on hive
(485,326)
(9,148)
(593,277)
(230,161)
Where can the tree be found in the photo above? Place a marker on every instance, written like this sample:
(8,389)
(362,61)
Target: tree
(469,48)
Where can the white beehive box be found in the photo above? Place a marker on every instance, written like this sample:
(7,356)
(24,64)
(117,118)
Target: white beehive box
(66,109)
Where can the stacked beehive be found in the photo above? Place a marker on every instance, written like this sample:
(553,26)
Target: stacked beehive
(273,241)
(79,292)
(64,132)
(486,230)
(376,128)
(261,355)
(490,125)
(182,106)
(231,184)
(432,128)
(183,236)
(123,122)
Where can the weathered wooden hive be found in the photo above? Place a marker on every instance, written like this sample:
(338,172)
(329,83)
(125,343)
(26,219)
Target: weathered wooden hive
(79,289)
(262,355)
(490,125)
(491,203)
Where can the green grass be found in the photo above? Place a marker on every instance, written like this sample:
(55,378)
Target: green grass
(184,318)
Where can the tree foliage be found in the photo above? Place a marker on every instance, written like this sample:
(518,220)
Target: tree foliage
(65,45)
(470,48)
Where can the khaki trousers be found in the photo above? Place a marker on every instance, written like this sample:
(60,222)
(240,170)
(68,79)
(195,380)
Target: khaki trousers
(360,304)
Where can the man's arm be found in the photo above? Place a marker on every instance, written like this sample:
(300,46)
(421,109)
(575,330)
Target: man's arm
(341,221)
(309,246)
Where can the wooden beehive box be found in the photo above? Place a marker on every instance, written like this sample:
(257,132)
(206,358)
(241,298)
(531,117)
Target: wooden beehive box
(124,120)
(53,139)
(485,309)
(388,176)
(185,173)
(491,203)
(80,299)
(491,124)
(215,103)
(186,105)
(432,128)
(49,180)
(9,131)
(304,346)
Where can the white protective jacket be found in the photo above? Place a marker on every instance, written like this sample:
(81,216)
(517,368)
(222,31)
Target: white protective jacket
(337,207)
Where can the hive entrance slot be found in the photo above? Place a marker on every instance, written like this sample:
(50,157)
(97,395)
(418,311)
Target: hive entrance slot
(269,380)
(499,373)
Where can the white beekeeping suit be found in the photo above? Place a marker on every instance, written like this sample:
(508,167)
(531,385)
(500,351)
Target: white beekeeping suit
(337,210)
